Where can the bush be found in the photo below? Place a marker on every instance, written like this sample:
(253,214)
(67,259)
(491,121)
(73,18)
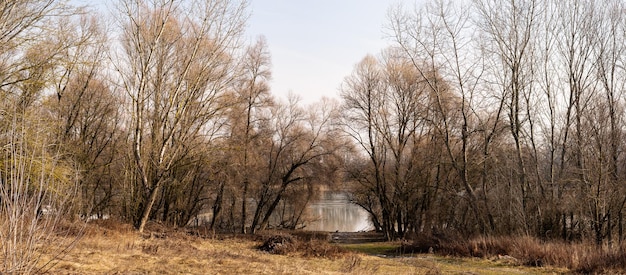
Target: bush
(528,251)
(320,249)
(603,262)
(284,244)
(278,244)
(38,193)
(448,244)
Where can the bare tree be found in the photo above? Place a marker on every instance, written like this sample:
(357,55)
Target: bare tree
(437,41)
(37,185)
(37,192)
(88,110)
(295,142)
(22,27)
(609,65)
(175,66)
(509,30)
(363,95)
(251,97)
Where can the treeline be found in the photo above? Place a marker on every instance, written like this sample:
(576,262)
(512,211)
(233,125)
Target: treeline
(494,117)
(484,117)
(161,113)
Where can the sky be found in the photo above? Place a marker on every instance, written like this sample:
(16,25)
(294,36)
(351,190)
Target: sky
(315,44)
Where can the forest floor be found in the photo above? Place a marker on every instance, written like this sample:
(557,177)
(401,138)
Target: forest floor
(121,250)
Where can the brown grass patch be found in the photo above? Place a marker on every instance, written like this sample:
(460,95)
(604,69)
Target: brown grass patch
(109,247)
(112,248)
(527,251)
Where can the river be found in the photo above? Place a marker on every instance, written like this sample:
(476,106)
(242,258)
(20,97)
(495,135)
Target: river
(334,212)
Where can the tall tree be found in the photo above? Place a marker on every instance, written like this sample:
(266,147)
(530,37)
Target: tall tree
(252,95)
(176,63)
(609,55)
(35,178)
(438,42)
(509,28)
(295,142)
(87,109)
(363,96)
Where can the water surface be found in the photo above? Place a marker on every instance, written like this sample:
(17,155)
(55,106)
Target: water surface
(334,212)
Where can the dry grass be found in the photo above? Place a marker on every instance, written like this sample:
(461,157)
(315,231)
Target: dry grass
(113,248)
(527,251)
(287,244)
(109,247)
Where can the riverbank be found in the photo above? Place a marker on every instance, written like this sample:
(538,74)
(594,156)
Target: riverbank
(121,250)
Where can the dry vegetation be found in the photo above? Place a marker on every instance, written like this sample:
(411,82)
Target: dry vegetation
(584,258)
(483,117)
(115,248)
(111,248)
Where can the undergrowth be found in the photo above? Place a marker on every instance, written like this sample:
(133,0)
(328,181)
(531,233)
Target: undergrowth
(302,245)
(578,257)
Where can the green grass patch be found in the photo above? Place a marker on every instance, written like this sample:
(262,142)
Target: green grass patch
(377,248)
(446,264)
(454,265)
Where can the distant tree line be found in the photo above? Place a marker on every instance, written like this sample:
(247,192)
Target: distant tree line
(494,117)
(482,117)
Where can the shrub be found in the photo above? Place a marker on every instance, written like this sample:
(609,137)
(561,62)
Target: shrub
(320,249)
(38,193)
(278,244)
(288,244)
(524,250)
(603,262)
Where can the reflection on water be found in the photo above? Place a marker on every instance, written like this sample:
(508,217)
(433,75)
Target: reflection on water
(334,212)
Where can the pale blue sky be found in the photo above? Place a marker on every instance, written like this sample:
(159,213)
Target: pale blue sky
(315,44)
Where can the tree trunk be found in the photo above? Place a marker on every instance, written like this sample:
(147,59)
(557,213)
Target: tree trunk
(217,206)
(148,208)
(244,207)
